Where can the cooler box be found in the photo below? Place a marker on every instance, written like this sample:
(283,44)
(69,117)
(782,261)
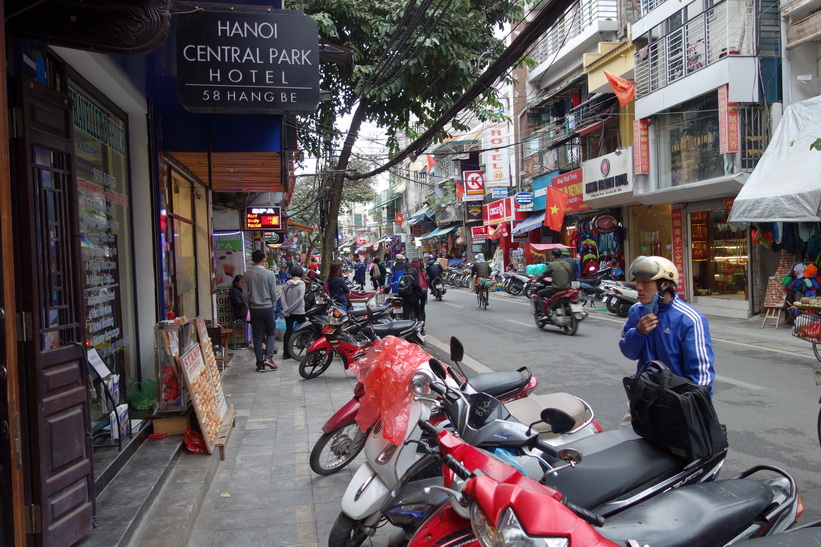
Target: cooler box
(535,269)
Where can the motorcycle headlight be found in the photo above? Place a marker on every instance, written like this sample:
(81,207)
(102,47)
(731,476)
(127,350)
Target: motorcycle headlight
(508,532)
(420,383)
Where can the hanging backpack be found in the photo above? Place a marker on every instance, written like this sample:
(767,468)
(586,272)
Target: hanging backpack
(405,287)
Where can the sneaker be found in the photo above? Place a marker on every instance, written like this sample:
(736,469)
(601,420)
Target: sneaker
(260,368)
(423,332)
(270,364)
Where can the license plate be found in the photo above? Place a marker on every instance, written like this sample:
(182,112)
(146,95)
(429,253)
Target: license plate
(574,307)
(605,299)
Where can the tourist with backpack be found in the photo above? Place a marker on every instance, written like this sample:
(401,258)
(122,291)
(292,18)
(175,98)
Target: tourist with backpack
(397,270)
(378,273)
(410,291)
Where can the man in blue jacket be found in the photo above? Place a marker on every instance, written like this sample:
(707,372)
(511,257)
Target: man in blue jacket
(662,327)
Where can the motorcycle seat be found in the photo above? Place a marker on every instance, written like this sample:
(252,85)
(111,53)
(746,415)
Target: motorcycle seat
(395,328)
(709,513)
(529,409)
(790,538)
(613,464)
(498,383)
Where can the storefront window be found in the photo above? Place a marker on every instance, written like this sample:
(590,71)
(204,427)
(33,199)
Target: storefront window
(650,231)
(101,160)
(719,255)
(688,143)
(179,246)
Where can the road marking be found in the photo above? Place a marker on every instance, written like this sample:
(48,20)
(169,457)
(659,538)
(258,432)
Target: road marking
(738,383)
(520,323)
(452,304)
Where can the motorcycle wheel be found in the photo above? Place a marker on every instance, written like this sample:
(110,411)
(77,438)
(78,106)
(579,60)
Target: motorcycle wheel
(623,308)
(515,289)
(611,305)
(315,363)
(572,324)
(346,532)
(336,449)
(532,305)
(299,342)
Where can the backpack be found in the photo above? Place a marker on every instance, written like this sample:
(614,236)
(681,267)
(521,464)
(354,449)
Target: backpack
(405,287)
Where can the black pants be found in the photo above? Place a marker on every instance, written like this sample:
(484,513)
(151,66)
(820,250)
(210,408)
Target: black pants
(411,307)
(541,296)
(289,329)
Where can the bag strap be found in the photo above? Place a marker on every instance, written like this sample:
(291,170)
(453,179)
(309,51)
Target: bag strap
(653,394)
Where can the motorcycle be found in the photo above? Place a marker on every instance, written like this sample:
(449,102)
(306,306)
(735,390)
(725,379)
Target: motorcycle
(514,283)
(562,309)
(342,439)
(350,340)
(437,288)
(503,504)
(319,315)
(619,297)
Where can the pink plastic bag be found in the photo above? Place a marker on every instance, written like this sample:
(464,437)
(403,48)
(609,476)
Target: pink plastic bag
(386,371)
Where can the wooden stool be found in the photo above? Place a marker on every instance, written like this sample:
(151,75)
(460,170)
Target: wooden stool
(773,313)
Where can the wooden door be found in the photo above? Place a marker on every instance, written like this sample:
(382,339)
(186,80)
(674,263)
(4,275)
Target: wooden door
(60,506)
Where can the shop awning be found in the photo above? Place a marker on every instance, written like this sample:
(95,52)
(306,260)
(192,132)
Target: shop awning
(533,221)
(440,232)
(362,248)
(784,186)
(542,247)
(422,213)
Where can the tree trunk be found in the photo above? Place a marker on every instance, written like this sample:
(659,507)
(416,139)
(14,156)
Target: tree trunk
(335,184)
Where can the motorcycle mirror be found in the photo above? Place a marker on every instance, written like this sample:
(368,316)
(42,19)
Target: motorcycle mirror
(570,455)
(559,420)
(438,369)
(457,350)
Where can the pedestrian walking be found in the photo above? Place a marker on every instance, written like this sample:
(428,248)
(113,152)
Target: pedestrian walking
(260,294)
(293,306)
(378,273)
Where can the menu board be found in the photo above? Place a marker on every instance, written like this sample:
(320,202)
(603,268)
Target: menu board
(201,392)
(211,364)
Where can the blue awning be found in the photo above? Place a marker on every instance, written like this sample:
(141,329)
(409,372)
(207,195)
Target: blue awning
(423,212)
(533,221)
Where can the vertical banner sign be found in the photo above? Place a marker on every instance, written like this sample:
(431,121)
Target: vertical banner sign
(229,261)
(497,154)
(727,122)
(678,251)
(641,147)
(247,62)
(474,183)
(473,211)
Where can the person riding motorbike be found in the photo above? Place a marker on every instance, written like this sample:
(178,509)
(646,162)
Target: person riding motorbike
(662,327)
(479,270)
(560,272)
(435,270)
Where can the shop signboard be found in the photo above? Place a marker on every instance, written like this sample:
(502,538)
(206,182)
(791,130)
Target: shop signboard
(678,250)
(610,175)
(473,212)
(468,197)
(497,154)
(571,183)
(727,122)
(641,147)
(229,261)
(474,183)
(503,210)
(478,233)
(498,192)
(239,62)
(267,218)
(540,185)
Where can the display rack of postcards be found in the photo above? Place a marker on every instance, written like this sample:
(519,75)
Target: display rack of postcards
(172,339)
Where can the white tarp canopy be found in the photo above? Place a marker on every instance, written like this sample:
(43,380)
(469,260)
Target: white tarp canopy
(785,186)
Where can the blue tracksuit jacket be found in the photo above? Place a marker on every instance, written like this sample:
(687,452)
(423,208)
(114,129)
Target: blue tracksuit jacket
(681,341)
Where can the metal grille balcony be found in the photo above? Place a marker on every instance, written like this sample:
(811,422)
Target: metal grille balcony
(575,20)
(728,28)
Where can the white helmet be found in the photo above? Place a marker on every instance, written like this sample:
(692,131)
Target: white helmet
(653,268)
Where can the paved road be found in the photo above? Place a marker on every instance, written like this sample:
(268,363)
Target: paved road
(764,392)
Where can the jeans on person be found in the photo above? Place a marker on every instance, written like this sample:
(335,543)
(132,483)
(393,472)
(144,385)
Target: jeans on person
(263,324)
(289,329)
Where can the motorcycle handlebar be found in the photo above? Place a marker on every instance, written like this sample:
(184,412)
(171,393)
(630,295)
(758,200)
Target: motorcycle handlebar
(456,466)
(428,428)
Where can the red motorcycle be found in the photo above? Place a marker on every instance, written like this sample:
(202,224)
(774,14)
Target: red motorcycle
(503,505)
(562,309)
(342,439)
(350,340)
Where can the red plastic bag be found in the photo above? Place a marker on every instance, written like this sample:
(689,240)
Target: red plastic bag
(194,442)
(386,371)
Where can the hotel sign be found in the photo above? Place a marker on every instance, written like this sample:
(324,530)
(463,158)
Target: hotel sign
(230,62)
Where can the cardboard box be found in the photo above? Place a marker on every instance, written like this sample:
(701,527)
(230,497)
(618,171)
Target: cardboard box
(171,426)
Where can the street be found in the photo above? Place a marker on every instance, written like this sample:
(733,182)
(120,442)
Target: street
(764,391)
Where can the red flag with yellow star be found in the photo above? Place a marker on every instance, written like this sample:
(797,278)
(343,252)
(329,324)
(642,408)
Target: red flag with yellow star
(625,91)
(556,206)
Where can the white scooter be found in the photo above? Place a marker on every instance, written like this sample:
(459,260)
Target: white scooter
(619,296)
(386,462)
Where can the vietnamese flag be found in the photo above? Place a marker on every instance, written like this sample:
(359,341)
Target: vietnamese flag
(460,190)
(431,163)
(556,206)
(501,230)
(625,91)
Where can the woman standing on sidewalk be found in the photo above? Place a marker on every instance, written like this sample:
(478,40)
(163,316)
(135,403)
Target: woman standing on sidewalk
(293,305)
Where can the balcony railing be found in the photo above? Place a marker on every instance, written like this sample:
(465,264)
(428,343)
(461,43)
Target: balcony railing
(725,29)
(575,20)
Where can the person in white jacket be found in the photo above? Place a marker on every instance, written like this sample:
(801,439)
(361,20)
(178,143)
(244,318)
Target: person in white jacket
(293,305)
